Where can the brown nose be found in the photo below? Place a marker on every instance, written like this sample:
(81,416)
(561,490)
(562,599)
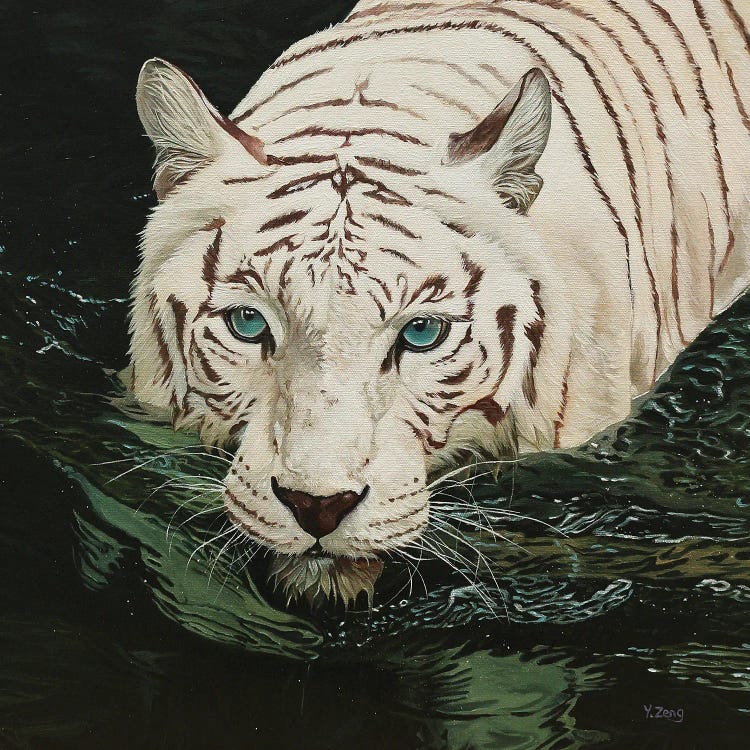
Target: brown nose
(318,516)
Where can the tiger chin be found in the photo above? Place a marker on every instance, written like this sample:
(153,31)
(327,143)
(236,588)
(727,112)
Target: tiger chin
(409,243)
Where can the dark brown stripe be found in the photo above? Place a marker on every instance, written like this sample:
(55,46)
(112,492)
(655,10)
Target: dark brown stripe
(712,261)
(284,220)
(283,276)
(284,242)
(380,191)
(676,286)
(294,185)
(476,273)
(492,411)
(381,284)
(387,197)
(392,359)
(211,256)
(467,339)
(738,99)
(209,336)
(377,302)
(306,107)
(344,276)
(280,90)
(429,442)
(435,285)
(738,22)
(385,221)
(444,409)
(458,228)
(243,180)
(495,73)
(400,256)
(179,310)
(482,352)
(240,277)
(706,28)
(506,321)
(161,344)
(236,427)
(214,224)
(560,421)
(534,332)
(445,99)
(365,102)
(286,161)
(423,417)
(388,166)
(445,394)
(441,193)
(454,67)
(459,377)
(197,353)
(316,130)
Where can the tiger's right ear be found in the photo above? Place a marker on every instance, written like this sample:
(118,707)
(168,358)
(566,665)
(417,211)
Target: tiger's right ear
(509,142)
(186,129)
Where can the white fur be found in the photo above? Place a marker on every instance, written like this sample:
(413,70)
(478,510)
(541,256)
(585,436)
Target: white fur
(325,412)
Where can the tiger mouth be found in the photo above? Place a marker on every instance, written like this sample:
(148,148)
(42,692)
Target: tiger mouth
(318,577)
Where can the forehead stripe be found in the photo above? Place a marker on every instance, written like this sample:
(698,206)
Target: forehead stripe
(388,166)
(284,219)
(400,256)
(380,219)
(347,134)
(308,180)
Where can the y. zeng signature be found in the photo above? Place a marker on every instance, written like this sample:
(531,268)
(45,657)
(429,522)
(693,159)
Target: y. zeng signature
(676,715)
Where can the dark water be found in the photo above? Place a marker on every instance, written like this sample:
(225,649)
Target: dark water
(118,630)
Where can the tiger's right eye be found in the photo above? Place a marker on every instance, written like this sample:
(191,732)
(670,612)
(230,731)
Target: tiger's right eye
(246,324)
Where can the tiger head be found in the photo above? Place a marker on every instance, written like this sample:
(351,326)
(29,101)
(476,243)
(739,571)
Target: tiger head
(347,315)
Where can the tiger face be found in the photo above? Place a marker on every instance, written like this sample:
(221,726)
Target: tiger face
(345,323)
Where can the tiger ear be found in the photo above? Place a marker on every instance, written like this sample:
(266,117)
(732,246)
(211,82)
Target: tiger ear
(187,131)
(510,141)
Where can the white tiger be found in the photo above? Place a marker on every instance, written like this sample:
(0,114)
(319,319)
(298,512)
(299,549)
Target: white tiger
(436,229)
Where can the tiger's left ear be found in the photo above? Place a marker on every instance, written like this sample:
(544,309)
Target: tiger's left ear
(508,143)
(186,129)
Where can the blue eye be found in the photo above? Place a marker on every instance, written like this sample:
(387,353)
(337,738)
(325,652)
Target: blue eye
(423,334)
(246,324)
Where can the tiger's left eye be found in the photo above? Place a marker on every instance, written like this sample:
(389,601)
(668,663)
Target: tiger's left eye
(423,334)
(246,324)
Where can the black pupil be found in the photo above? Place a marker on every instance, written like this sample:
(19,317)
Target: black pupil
(247,313)
(420,324)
